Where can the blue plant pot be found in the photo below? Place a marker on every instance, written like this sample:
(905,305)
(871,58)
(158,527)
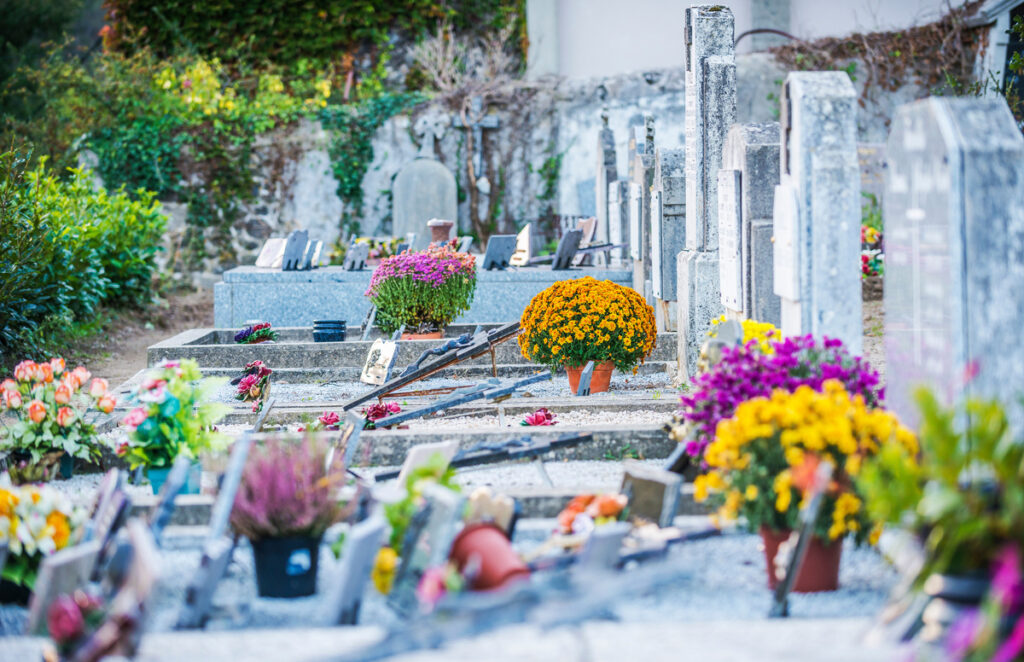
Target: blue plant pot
(67,466)
(158,476)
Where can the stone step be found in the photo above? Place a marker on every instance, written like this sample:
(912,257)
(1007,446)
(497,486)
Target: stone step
(536,502)
(214,348)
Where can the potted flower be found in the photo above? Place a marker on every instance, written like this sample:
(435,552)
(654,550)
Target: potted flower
(962,495)
(35,521)
(174,417)
(48,404)
(580,320)
(759,455)
(759,367)
(285,502)
(423,290)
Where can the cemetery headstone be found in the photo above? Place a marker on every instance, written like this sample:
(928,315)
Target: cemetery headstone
(524,247)
(668,231)
(601,551)
(311,258)
(164,507)
(642,176)
(588,233)
(349,439)
(653,492)
(606,176)
(379,362)
(272,253)
(421,454)
(356,256)
(423,189)
(618,219)
(817,209)
(746,194)
(465,243)
(430,548)
(371,317)
(710,110)
(954,252)
(61,573)
(567,246)
(583,387)
(500,248)
(361,546)
(294,250)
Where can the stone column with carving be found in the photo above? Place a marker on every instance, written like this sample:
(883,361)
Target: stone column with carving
(606,174)
(710,111)
(641,177)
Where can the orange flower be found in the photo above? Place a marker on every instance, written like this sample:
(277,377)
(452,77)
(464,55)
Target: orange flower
(65,416)
(9,385)
(81,374)
(25,371)
(61,528)
(63,394)
(46,370)
(106,403)
(57,365)
(11,399)
(37,411)
(98,387)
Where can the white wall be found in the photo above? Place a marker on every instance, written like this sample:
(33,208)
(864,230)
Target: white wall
(595,38)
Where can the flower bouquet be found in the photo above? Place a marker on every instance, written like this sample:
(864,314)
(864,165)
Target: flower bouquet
(424,290)
(256,333)
(254,385)
(377,411)
(586,511)
(285,502)
(580,320)
(49,404)
(540,417)
(750,371)
(35,521)
(761,456)
(72,619)
(175,417)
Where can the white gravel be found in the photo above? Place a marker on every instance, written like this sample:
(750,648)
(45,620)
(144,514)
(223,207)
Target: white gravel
(575,419)
(603,475)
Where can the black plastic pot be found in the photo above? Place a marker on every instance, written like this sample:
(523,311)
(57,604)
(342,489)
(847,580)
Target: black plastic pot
(329,330)
(14,594)
(286,567)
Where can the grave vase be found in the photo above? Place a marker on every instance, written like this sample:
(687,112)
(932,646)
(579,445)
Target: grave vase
(820,569)
(499,562)
(67,466)
(600,380)
(286,567)
(158,476)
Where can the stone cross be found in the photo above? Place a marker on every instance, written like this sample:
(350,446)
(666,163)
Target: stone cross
(477,123)
(606,174)
(710,111)
(668,231)
(641,154)
(817,209)
(954,251)
(746,192)
(618,219)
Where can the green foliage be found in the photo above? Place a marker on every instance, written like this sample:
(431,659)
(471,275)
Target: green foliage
(351,150)
(27,25)
(67,250)
(399,514)
(871,211)
(965,497)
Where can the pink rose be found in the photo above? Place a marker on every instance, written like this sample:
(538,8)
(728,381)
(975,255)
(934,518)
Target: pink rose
(81,374)
(37,411)
(9,385)
(98,387)
(247,383)
(64,620)
(65,416)
(135,417)
(152,383)
(329,418)
(11,399)
(57,365)
(106,403)
(63,394)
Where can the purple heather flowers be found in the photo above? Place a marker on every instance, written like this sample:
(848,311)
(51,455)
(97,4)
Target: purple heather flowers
(746,372)
(434,266)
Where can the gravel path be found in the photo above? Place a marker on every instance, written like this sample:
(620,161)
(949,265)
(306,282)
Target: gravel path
(604,475)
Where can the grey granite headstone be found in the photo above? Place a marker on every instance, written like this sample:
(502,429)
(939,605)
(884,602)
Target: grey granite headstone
(311,259)
(355,257)
(567,246)
(642,154)
(954,252)
(361,546)
(583,386)
(271,254)
(668,231)
(423,189)
(710,111)
(817,209)
(653,492)
(618,219)
(606,175)
(500,248)
(294,250)
(750,165)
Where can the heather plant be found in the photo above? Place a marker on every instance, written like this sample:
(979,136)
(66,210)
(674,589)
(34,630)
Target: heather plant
(747,372)
(287,489)
(424,290)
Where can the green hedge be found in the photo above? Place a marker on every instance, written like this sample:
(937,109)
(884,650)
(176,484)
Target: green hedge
(68,250)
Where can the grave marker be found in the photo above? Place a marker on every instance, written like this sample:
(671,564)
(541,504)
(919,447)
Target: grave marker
(642,155)
(356,256)
(606,176)
(567,246)
(710,110)
(746,193)
(668,232)
(61,573)
(272,254)
(425,188)
(618,219)
(465,243)
(954,245)
(524,247)
(601,551)
(653,492)
(294,250)
(500,248)
(379,362)
(361,546)
(583,386)
(817,209)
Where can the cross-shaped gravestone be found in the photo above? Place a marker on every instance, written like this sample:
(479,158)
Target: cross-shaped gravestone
(477,122)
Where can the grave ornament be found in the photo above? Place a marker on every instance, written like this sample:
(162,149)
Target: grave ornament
(524,247)
(379,362)
(356,256)
(295,250)
(272,254)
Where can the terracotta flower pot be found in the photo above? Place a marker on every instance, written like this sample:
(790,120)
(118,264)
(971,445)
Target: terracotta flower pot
(820,570)
(499,563)
(436,335)
(599,381)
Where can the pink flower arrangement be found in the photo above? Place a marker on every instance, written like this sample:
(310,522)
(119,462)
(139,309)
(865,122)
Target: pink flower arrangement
(71,619)
(540,417)
(254,385)
(375,412)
